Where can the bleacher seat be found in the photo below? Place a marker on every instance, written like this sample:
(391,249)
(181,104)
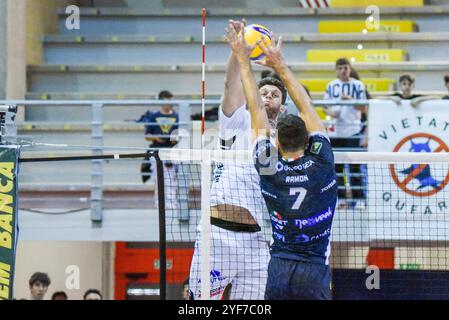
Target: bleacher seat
(379,3)
(366,55)
(372,84)
(355,26)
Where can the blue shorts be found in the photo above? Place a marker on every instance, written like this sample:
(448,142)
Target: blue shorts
(297,280)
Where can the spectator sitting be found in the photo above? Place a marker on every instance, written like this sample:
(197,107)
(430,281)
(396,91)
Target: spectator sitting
(407,85)
(39,283)
(92,294)
(446,84)
(185,290)
(167,121)
(59,295)
(162,123)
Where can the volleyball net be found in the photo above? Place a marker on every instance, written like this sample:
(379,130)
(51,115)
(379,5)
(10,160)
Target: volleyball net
(389,236)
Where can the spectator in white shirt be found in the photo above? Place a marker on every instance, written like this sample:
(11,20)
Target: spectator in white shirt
(348,131)
(348,118)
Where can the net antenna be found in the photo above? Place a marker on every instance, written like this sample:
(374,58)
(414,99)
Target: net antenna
(205,179)
(203,78)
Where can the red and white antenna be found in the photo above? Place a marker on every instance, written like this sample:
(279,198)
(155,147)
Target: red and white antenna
(203,80)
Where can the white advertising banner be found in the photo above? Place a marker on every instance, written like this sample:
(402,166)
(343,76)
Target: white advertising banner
(408,201)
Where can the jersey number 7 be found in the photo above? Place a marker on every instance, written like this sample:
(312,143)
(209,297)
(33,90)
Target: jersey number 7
(302,194)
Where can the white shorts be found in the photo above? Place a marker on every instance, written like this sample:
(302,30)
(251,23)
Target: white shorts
(237,258)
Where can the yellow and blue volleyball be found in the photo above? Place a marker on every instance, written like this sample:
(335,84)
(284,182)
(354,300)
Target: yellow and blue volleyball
(254,33)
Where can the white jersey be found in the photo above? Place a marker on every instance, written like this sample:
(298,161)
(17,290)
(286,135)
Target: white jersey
(349,122)
(233,182)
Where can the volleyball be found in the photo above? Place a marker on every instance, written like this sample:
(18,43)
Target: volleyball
(254,33)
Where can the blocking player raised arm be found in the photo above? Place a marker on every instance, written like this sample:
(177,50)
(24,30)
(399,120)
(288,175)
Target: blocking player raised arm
(233,96)
(275,60)
(241,50)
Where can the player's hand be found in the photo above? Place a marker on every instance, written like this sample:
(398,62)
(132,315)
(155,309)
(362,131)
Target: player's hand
(346,97)
(238,25)
(415,102)
(273,53)
(396,100)
(236,40)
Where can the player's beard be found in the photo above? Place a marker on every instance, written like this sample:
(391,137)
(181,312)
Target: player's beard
(273,115)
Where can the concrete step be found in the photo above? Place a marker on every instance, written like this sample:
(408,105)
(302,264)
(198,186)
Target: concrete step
(358,26)
(187,22)
(364,55)
(187,78)
(112,96)
(123,49)
(104,96)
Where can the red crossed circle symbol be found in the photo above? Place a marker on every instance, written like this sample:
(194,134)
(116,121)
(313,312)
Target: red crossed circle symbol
(402,184)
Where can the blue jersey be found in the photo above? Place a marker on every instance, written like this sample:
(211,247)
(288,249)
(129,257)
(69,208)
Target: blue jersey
(167,123)
(301,196)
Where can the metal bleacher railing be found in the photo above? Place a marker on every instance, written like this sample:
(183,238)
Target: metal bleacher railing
(97,132)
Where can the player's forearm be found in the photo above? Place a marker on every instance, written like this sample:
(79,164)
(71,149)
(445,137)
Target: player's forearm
(301,99)
(254,102)
(233,96)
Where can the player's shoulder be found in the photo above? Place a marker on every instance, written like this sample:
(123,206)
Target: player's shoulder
(319,135)
(319,143)
(356,81)
(237,112)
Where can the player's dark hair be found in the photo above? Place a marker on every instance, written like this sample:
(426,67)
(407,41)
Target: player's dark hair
(342,62)
(446,78)
(292,133)
(274,82)
(165,94)
(39,277)
(407,77)
(269,74)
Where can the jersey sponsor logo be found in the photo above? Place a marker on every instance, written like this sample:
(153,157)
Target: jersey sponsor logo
(330,185)
(278,236)
(303,238)
(269,194)
(215,276)
(165,123)
(285,167)
(312,221)
(219,168)
(316,147)
(296,179)
(278,222)
(326,233)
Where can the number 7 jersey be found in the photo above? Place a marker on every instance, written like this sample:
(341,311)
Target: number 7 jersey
(301,196)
